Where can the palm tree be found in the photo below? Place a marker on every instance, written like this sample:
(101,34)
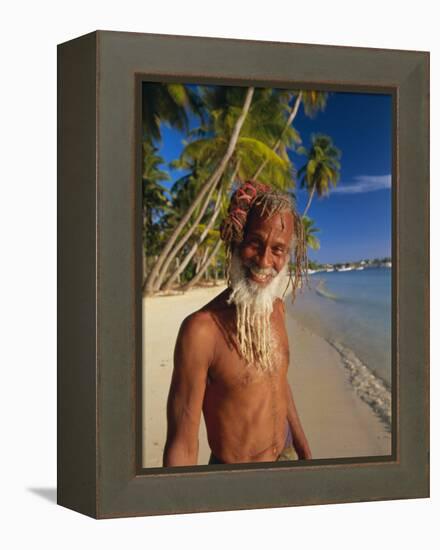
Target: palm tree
(312,100)
(260,149)
(207,262)
(321,169)
(266,119)
(265,122)
(309,233)
(168,103)
(204,229)
(207,186)
(154,199)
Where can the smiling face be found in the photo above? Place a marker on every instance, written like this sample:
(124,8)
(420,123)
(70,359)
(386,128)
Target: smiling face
(266,245)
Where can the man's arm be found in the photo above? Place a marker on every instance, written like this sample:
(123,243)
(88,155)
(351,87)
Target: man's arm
(192,356)
(299,439)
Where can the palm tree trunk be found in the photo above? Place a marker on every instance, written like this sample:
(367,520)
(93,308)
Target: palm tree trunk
(203,260)
(203,268)
(215,271)
(205,232)
(177,267)
(195,247)
(198,264)
(175,250)
(211,181)
(292,115)
(309,202)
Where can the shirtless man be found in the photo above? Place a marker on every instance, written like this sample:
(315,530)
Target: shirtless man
(231,356)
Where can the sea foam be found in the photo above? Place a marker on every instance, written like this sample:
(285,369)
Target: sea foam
(370,388)
(322,290)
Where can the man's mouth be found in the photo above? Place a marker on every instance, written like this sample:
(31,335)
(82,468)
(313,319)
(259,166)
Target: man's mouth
(259,276)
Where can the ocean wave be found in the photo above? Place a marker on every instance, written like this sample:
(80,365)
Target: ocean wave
(370,388)
(322,290)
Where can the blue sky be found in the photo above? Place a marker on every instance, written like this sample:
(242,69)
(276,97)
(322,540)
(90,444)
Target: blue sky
(355,220)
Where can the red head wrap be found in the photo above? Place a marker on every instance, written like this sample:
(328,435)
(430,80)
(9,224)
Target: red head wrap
(241,203)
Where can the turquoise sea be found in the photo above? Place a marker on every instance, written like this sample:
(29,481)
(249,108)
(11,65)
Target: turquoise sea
(352,310)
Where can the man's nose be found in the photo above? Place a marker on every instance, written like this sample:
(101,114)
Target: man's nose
(264,258)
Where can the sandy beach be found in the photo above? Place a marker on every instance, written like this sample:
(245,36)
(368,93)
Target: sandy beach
(337,422)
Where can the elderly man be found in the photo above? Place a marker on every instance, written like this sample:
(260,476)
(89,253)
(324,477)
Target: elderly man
(231,356)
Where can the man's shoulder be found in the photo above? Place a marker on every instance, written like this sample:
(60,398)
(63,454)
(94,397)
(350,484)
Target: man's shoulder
(202,325)
(197,338)
(199,325)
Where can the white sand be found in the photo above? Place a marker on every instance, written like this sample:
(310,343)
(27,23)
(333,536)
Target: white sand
(337,423)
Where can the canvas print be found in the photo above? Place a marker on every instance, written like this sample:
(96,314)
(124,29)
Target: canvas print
(267,274)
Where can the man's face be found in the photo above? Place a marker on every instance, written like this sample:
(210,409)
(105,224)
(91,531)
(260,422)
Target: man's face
(265,248)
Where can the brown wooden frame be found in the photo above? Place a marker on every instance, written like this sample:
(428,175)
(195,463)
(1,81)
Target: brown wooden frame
(99,272)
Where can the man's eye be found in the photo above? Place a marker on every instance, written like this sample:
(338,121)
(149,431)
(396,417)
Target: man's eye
(278,251)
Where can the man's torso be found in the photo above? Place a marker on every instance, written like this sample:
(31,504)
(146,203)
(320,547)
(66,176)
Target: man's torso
(245,409)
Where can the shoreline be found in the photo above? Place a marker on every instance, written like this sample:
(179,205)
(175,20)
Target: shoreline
(337,422)
(373,388)
(353,318)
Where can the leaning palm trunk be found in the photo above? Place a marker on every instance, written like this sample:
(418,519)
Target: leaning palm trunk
(202,260)
(292,115)
(204,267)
(185,237)
(309,202)
(173,253)
(205,231)
(211,181)
(215,272)
(195,246)
(198,264)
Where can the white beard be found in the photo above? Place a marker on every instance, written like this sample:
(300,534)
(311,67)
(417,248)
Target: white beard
(254,305)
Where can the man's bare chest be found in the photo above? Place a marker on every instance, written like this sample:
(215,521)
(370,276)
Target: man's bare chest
(229,370)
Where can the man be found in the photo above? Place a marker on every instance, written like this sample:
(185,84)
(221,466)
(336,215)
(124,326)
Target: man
(231,356)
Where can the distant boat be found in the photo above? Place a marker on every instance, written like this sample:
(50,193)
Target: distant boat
(345,269)
(387,264)
(330,270)
(359,268)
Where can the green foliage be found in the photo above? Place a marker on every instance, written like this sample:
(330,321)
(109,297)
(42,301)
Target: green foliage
(154,198)
(167,104)
(322,168)
(313,102)
(261,129)
(309,233)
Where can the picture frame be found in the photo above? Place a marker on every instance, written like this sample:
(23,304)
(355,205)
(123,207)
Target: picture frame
(99,274)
